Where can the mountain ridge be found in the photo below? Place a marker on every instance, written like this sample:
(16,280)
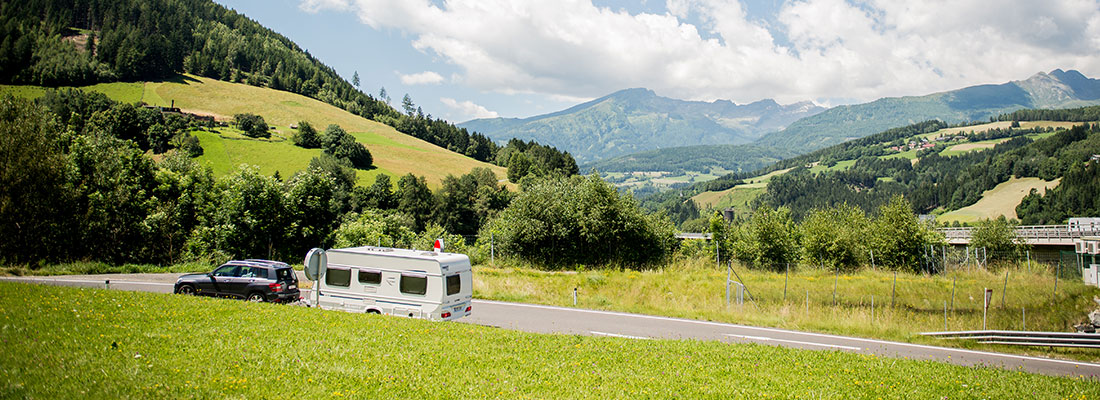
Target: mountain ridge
(637,119)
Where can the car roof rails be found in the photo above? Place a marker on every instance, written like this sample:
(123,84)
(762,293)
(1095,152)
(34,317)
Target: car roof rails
(268,262)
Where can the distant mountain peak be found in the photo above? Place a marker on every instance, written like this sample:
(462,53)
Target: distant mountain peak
(638,119)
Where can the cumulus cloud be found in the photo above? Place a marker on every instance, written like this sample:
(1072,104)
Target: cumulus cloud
(707,49)
(467,109)
(422,78)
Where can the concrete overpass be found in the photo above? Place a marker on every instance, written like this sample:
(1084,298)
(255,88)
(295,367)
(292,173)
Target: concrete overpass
(1035,235)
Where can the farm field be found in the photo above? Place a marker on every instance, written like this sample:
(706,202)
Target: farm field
(1001,200)
(695,289)
(962,130)
(111,344)
(394,153)
(737,197)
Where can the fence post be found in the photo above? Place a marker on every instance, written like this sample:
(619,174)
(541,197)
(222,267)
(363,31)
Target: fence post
(786,275)
(872,260)
(1029,261)
(945,316)
(894,289)
(492,249)
(1004,289)
(1023,318)
(943,252)
(1056,274)
(835,280)
(872,309)
(953,292)
(727,287)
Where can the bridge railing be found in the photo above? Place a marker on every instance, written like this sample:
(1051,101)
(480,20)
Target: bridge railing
(1033,233)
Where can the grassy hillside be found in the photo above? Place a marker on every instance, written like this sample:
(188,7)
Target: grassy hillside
(394,153)
(111,344)
(1001,200)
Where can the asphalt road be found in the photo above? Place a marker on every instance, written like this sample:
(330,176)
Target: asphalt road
(562,320)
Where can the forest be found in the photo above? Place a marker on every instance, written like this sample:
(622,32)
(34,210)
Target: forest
(78,42)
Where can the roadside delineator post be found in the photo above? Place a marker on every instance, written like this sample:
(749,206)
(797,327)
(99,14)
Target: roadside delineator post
(106,283)
(985,307)
(945,316)
(574,297)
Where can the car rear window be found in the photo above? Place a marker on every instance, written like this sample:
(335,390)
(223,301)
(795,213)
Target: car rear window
(338,277)
(285,274)
(369,277)
(414,284)
(454,285)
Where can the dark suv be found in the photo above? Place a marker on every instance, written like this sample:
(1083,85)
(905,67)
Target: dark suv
(255,280)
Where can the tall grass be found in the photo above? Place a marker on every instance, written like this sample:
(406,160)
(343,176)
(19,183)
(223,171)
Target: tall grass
(696,288)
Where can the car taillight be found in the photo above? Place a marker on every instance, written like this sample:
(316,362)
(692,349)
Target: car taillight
(446,315)
(275,287)
(468,308)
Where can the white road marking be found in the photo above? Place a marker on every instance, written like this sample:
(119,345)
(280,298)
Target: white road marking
(719,324)
(768,339)
(618,335)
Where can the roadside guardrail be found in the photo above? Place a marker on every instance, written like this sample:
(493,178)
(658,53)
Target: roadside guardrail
(1024,338)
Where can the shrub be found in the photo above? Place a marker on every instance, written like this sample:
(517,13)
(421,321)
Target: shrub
(252,125)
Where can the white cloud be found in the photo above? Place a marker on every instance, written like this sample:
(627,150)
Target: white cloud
(422,78)
(467,109)
(706,49)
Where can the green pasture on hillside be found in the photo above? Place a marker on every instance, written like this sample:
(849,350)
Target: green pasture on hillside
(91,343)
(394,153)
(1001,200)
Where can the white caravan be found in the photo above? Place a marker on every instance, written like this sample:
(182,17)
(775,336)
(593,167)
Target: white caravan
(379,280)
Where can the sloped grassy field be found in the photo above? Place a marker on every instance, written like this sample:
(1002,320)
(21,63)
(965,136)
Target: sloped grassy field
(394,153)
(87,343)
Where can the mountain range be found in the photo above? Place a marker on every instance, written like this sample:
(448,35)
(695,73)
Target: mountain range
(1056,89)
(635,120)
(616,132)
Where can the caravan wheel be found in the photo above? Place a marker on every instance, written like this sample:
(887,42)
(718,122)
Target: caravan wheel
(373,311)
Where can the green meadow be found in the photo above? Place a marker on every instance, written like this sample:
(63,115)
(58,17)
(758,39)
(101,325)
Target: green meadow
(88,343)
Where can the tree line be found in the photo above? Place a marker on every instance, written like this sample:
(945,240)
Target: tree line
(840,237)
(87,178)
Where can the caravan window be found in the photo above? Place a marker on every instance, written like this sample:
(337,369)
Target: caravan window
(454,285)
(414,284)
(370,277)
(338,277)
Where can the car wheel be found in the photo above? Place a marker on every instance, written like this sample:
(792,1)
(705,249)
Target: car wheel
(187,290)
(256,297)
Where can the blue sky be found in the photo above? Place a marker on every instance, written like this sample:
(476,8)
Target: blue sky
(462,59)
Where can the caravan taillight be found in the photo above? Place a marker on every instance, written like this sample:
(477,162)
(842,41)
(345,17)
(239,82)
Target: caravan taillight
(468,308)
(275,287)
(446,315)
